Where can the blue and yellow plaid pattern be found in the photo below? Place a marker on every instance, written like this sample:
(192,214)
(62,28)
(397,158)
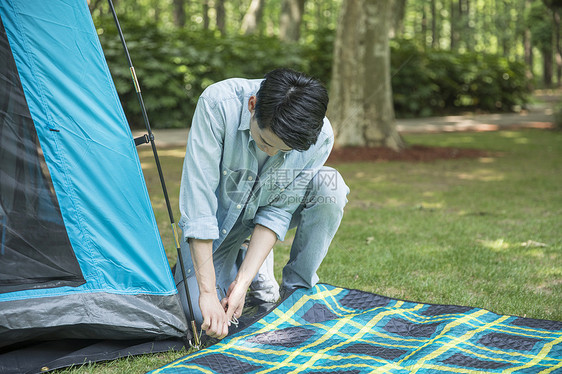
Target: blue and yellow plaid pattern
(328,329)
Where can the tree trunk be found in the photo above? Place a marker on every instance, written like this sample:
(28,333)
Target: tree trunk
(528,49)
(179,13)
(452,22)
(506,45)
(361,108)
(345,109)
(547,66)
(433,25)
(221,16)
(252,18)
(557,49)
(206,21)
(527,46)
(156,8)
(291,19)
(424,27)
(378,106)
(467,31)
(398,19)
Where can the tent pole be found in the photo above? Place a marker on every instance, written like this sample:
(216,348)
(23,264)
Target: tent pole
(196,339)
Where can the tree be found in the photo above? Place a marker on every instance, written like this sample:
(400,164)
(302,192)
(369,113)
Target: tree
(527,45)
(555,6)
(398,19)
(361,107)
(179,13)
(539,21)
(291,19)
(220,16)
(434,38)
(252,18)
(206,21)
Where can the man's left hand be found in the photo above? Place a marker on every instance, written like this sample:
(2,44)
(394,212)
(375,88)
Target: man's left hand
(234,300)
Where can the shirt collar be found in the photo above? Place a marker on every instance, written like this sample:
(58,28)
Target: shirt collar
(245,117)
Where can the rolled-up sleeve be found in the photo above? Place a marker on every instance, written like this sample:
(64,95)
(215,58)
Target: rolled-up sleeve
(201,174)
(275,219)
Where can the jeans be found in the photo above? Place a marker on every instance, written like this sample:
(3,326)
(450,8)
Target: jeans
(317,219)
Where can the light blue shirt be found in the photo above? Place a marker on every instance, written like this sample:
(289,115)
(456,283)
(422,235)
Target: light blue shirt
(220,179)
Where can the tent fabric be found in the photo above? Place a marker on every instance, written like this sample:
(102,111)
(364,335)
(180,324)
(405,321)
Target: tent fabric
(81,256)
(329,329)
(27,201)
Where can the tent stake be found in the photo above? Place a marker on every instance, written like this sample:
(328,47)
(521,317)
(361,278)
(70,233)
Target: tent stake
(197,342)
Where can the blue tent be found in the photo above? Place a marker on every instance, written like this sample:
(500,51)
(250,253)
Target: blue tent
(80,254)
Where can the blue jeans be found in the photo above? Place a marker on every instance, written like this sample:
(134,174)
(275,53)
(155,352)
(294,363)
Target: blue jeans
(317,219)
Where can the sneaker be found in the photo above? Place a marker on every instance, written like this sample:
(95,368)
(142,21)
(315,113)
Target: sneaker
(264,286)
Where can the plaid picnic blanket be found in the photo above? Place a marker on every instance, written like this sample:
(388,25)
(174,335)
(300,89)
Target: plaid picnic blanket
(329,329)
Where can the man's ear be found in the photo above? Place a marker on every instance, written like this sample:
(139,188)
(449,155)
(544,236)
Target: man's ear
(252,103)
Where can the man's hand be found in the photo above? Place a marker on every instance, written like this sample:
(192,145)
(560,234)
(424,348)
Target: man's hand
(234,301)
(215,321)
(261,242)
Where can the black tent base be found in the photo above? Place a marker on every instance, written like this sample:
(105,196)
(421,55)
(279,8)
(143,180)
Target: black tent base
(46,356)
(41,357)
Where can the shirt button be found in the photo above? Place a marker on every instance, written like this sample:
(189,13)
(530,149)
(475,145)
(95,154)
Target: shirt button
(188,271)
(223,231)
(250,178)
(238,206)
(224,172)
(282,190)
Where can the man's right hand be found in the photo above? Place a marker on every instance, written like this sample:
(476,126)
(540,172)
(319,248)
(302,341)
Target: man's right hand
(215,323)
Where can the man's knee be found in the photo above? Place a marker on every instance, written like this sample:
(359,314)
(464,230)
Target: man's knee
(329,188)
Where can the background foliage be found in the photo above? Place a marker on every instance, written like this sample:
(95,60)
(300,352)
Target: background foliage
(433,83)
(175,66)
(447,55)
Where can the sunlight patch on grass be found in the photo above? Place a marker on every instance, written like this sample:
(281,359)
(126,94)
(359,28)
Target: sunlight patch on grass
(393,202)
(536,253)
(145,153)
(466,140)
(511,134)
(495,245)
(430,206)
(486,160)
(172,152)
(484,175)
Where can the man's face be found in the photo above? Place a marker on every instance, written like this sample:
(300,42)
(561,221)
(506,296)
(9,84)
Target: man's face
(266,140)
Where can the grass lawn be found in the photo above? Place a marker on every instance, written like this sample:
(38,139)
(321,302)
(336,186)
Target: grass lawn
(480,232)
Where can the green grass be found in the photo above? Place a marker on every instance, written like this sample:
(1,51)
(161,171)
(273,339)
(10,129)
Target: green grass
(478,232)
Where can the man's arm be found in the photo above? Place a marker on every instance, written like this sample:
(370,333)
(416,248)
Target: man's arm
(261,243)
(198,207)
(215,322)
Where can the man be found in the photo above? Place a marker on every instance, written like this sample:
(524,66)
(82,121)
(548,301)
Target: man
(254,166)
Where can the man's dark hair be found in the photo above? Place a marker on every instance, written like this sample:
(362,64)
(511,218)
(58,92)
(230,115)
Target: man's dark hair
(292,105)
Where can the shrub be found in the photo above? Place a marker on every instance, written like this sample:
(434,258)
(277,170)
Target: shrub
(437,82)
